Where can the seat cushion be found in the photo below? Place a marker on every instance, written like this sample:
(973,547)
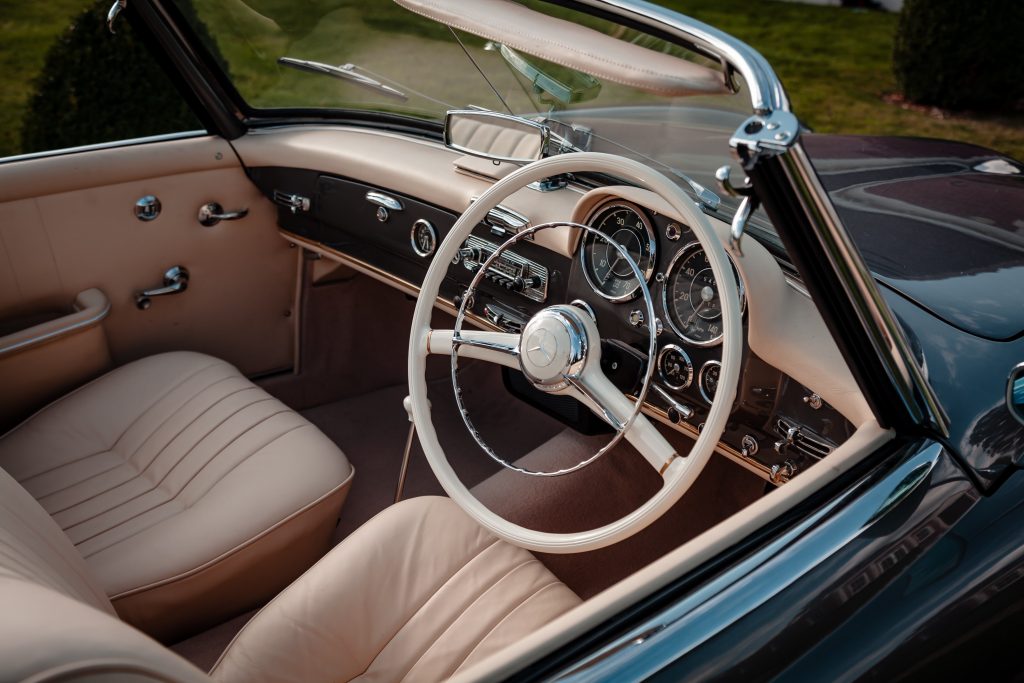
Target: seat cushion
(417,593)
(191,493)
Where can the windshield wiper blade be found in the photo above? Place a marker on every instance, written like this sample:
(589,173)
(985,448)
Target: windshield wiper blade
(346,72)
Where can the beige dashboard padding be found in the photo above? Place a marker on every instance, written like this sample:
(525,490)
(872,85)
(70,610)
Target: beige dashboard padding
(417,593)
(572,45)
(190,492)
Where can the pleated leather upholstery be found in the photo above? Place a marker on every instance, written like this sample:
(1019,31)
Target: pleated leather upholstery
(170,466)
(417,593)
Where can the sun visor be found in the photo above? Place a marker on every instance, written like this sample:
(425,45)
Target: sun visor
(573,46)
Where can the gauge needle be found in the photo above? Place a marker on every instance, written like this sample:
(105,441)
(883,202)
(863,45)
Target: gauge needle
(611,267)
(706,295)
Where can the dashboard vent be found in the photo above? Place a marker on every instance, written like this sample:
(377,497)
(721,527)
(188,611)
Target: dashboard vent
(804,440)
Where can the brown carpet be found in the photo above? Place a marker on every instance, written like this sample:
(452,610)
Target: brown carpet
(606,490)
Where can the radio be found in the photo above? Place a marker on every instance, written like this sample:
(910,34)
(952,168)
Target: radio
(510,270)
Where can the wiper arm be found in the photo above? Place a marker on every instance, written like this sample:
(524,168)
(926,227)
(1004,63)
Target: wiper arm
(346,72)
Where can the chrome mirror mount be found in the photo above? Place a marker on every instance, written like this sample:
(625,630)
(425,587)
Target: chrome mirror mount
(495,136)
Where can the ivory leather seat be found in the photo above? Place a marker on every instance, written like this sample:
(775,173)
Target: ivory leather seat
(191,493)
(417,593)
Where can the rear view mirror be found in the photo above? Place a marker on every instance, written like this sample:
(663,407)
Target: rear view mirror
(1015,392)
(495,136)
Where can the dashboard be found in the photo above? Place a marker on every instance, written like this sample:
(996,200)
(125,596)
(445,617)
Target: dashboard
(778,426)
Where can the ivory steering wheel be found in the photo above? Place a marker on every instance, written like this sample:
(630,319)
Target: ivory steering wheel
(575,369)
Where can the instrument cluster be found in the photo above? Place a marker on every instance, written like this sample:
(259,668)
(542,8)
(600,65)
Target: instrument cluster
(680,280)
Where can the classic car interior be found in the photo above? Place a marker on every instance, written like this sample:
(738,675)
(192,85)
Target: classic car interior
(207,352)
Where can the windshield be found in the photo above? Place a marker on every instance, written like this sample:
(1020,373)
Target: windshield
(345,55)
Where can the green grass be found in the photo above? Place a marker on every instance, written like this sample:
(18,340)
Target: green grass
(834,62)
(836,66)
(26,31)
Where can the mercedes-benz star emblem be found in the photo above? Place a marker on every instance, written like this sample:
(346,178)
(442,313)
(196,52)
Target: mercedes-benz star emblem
(542,347)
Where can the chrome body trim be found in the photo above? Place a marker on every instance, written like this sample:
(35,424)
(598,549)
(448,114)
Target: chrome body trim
(750,583)
(166,137)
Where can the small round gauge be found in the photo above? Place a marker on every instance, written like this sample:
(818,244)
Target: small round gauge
(707,381)
(675,367)
(423,238)
(691,298)
(605,268)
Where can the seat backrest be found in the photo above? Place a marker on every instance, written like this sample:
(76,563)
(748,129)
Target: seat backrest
(56,623)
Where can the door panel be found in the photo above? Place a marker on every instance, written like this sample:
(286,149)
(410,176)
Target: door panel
(79,231)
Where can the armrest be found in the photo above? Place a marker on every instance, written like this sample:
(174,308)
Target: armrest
(90,307)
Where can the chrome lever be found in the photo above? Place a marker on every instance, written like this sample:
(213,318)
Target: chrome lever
(175,282)
(113,13)
(747,206)
(213,213)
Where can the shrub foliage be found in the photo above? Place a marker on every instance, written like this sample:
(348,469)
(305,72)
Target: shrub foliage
(957,54)
(99,87)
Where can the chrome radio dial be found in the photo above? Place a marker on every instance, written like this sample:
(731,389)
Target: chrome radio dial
(604,266)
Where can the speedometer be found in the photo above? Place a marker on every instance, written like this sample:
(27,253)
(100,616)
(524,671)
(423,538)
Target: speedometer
(605,268)
(691,297)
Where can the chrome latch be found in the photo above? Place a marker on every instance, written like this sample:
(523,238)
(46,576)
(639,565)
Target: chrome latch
(175,282)
(385,204)
(113,13)
(747,206)
(293,202)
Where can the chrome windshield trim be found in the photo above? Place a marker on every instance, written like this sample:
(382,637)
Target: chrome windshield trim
(766,91)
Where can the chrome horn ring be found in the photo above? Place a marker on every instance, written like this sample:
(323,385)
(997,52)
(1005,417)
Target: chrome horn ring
(574,357)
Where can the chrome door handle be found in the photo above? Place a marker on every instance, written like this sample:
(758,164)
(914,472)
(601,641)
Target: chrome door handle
(213,213)
(175,282)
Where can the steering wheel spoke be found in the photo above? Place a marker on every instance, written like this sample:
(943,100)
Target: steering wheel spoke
(559,353)
(599,394)
(501,348)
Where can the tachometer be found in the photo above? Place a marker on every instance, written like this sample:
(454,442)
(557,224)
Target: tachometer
(691,297)
(605,268)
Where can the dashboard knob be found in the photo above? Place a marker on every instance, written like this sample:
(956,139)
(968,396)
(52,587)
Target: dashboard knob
(529,282)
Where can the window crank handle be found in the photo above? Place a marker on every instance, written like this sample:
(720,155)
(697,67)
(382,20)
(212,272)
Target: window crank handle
(175,282)
(213,213)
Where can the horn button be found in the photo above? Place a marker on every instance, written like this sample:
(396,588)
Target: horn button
(553,345)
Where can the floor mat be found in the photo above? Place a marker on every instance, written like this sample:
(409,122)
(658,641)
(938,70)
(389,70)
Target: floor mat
(372,431)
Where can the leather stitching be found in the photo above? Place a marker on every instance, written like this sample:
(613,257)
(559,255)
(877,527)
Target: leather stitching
(116,441)
(458,617)
(142,473)
(434,592)
(487,635)
(166,502)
